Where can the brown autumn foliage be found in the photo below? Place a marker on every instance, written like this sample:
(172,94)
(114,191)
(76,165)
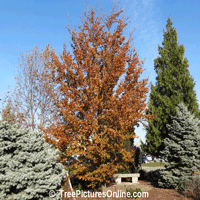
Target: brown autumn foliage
(31,100)
(96,119)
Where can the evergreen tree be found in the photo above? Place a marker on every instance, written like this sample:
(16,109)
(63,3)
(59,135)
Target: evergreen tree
(7,115)
(174,85)
(182,148)
(28,168)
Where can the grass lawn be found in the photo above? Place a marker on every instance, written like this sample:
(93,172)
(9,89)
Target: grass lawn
(154,164)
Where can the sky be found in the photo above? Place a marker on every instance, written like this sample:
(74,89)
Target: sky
(28,23)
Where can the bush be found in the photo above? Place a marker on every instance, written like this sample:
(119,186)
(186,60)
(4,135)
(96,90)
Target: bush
(152,176)
(28,168)
(143,175)
(79,187)
(132,191)
(190,187)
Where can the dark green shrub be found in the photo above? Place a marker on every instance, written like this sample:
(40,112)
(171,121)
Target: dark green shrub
(143,175)
(154,176)
(151,176)
(132,191)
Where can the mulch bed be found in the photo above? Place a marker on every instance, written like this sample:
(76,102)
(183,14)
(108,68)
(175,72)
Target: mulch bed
(154,194)
(163,194)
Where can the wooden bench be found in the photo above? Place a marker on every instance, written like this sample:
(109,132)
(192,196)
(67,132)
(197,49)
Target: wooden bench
(134,177)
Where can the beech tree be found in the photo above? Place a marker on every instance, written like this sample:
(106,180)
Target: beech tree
(31,99)
(97,120)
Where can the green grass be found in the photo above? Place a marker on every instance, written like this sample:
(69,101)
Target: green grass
(154,164)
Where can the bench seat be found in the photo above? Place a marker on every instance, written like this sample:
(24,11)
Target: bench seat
(134,177)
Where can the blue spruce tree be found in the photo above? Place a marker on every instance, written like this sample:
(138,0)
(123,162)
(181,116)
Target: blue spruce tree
(182,148)
(28,167)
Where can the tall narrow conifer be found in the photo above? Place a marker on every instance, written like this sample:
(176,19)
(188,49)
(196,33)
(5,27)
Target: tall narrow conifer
(174,84)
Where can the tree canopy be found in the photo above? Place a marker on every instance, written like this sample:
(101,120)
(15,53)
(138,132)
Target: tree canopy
(31,100)
(98,114)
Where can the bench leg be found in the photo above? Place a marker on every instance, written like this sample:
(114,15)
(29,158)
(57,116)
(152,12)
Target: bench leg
(118,180)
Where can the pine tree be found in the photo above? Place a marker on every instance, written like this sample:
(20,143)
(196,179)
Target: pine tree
(28,168)
(174,85)
(182,148)
(7,115)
